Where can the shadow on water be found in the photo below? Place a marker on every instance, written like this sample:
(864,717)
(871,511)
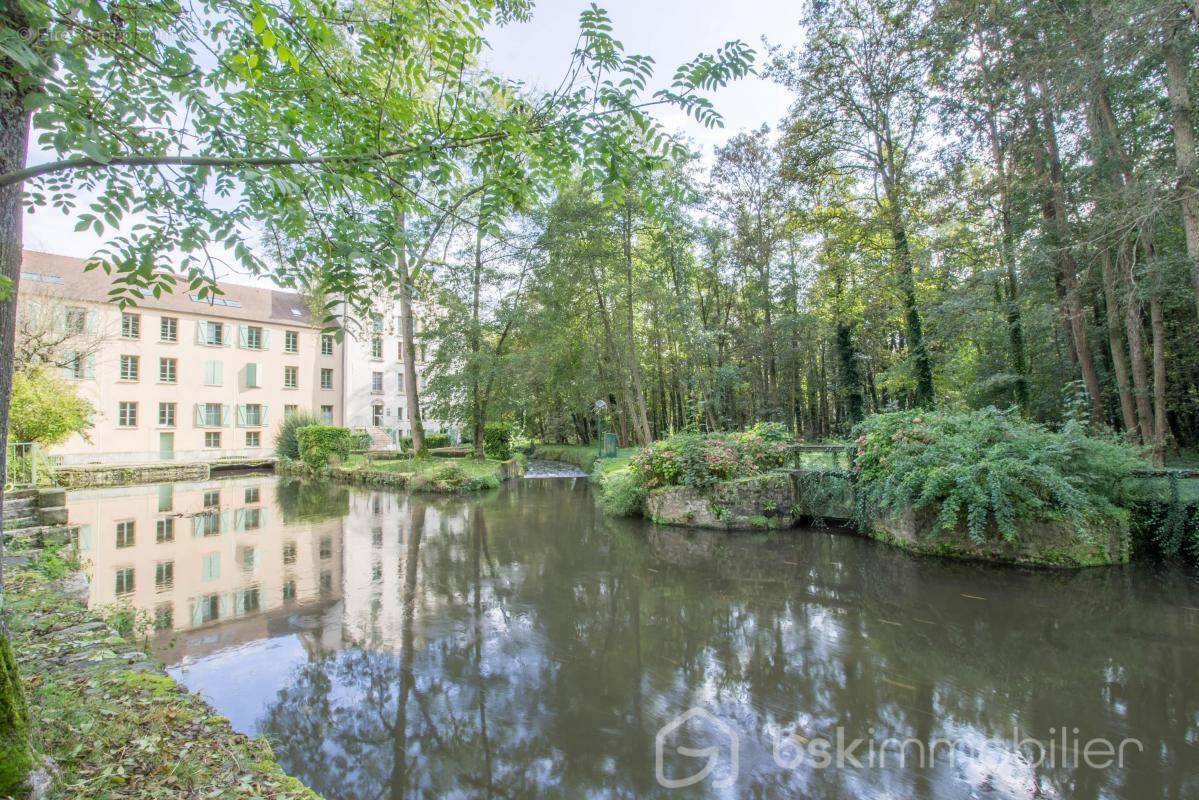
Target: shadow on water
(521,644)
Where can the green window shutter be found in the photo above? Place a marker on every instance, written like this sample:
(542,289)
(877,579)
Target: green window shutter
(265,419)
(89,366)
(224,416)
(201,335)
(227,337)
(239,519)
(60,318)
(243,336)
(91,321)
(251,376)
(241,416)
(70,357)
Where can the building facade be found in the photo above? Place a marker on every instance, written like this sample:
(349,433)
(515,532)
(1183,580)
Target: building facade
(374,372)
(181,377)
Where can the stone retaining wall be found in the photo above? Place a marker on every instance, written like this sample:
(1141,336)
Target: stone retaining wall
(97,476)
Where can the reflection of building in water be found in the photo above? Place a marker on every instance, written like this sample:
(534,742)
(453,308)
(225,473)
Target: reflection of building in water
(213,563)
(378,535)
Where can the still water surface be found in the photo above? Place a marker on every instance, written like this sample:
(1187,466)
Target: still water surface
(521,644)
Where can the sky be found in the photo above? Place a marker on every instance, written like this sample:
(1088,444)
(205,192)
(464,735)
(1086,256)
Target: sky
(537,52)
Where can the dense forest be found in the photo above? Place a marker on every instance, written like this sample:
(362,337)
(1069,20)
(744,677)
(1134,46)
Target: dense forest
(969,204)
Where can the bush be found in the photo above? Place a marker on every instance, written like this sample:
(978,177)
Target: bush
(622,493)
(45,408)
(287,448)
(318,443)
(497,441)
(702,460)
(453,478)
(991,467)
(432,440)
(362,441)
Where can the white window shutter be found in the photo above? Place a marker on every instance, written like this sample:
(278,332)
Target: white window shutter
(89,366)
(224,416)
(199,415)
(266,339)
(91,322)
(243,336)
(265,421)
(241,415)
(227,339)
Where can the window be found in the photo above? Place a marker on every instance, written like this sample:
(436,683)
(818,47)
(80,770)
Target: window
(252,494)
(212,439)
(400,350)
(377,382)
(326,378)
(249,558)
(210,567)
(167,370)
(289,591)
(166,415)
(291,377)
(214,373)
(252,376)
(212,498)
(376,537)
(377,323)
(129,367)
(206,609)
(164,530)
(326,582)
(251,519)
(326,550)
(126,414)
(79,366)
(125,533)
(289,553)
(164,575)
(164,617)
(326,344)
(210,415)
(124,581)
(131,325)
(206,524)
(168,329)
(327,414)
(376,347)
(291,342)
(74,319)
(166,497)
(290,410)
(252,415)
(211,333)
(253,438)
(252,337)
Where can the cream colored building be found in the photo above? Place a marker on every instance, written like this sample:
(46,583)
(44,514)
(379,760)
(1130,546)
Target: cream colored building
(212,564)
(182,377)
(374,399)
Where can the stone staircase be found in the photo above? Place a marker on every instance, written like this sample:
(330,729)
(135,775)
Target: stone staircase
(39,516)
(380,440)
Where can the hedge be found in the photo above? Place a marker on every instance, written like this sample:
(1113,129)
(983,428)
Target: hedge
(320,442)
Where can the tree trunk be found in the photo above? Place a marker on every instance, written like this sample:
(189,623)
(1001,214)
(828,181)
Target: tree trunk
(1161,426)
(913,326)
(637,401)
(478,410)
(15,754)
(407,337)
(1136,351)
(1067,267)
(1177,87)
(1116,346)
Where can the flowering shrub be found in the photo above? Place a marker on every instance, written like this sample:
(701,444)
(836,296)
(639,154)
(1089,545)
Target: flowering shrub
(701,460)
(990,466)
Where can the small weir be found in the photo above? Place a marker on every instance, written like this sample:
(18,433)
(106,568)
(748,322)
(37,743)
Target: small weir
(553,469)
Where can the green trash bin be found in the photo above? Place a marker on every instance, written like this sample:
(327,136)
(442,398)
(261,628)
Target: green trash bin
(609,449)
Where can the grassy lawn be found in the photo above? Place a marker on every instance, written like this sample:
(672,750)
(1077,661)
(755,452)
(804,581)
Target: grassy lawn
(472,467)
(585,457)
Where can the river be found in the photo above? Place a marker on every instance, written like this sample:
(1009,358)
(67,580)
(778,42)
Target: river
(522,644)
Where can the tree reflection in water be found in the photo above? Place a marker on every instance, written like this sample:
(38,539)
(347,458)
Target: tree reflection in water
(542,646)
